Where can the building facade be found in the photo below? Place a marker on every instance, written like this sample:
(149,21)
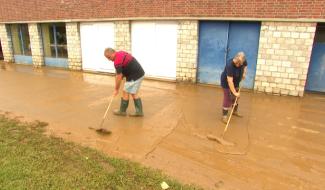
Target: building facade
(191,41)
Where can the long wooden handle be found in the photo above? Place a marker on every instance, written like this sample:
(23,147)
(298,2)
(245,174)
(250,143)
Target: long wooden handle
(232,110)
(109,105)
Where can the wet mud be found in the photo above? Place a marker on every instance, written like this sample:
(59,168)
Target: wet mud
(279,143)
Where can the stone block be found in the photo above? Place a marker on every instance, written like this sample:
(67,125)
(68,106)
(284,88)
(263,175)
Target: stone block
(284,92)
(293,76)
(265,84)
(304,35)
(293,92)
(276,34)
(276,90)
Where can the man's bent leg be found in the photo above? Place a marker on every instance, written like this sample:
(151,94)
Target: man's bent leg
(124,105)
(137,105)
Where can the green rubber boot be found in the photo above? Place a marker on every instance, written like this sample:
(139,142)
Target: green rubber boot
(236,113)
(224,118)
(138,108)
(122,111)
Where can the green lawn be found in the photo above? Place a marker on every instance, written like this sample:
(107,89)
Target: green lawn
(31,160)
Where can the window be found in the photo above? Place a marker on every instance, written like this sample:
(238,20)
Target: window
(20,39)
(1,54)
(320,33)
(54,40)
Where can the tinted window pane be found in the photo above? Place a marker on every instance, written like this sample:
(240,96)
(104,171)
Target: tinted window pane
(61,34)
(25,39)
(54,40)
(62,51)
(1,53)
(20,39)
(15,36)
(47,34)
(320,33)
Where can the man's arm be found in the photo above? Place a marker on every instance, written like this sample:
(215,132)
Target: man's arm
(231,85)
(118,79)
(244,73)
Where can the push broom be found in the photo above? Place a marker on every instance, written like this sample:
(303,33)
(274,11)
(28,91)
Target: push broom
(101,129)
(221,139)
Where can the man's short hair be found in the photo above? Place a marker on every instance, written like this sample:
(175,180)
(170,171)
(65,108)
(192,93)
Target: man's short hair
(109,51)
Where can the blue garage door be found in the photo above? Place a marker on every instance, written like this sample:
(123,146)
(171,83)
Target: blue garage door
(220,41)
(316,73)
(213,40)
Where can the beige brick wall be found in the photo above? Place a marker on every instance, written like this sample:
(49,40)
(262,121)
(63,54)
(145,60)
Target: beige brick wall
(6,43)
(284,56)
(122,36)
(36,44)
(74,46)
(187,48)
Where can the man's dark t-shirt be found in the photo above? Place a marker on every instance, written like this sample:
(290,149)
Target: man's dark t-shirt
(232,71)
(126,64)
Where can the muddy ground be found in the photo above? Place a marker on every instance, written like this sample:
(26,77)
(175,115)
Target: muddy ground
(280,141)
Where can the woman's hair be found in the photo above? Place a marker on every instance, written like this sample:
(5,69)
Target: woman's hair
(240,56)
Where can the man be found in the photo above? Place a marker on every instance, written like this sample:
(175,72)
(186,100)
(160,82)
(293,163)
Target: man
(234,72)
(126,66)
